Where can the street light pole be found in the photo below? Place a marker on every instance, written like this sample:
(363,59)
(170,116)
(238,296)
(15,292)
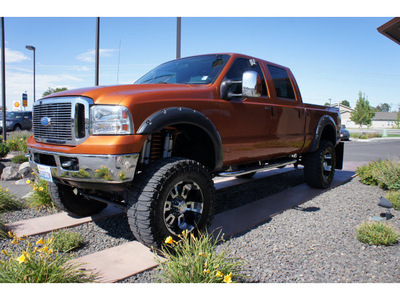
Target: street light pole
(3,79)
(34,70)
(178,37)
(97,50)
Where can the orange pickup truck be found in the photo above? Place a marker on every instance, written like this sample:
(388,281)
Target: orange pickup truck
(153,147)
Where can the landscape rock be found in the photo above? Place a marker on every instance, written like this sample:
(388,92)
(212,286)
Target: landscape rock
(10,173)
(26,171)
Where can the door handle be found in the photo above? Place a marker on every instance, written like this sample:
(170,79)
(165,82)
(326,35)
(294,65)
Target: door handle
(271,109)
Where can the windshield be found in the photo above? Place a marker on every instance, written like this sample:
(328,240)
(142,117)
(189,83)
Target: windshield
(12,115)
(192,70)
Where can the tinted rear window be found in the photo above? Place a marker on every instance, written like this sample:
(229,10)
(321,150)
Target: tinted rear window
(282,83)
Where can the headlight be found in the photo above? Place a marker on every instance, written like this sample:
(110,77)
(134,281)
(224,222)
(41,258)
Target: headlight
(109,120)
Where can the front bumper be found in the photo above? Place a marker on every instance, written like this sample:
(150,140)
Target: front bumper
(86,168)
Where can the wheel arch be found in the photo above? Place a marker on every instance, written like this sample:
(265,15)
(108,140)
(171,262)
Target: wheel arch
(326,130)
(192,123)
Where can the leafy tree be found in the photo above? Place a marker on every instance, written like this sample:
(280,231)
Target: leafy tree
(52,91)
(327,104)
(346,103)
(383,107)
(397,122)
(363,112)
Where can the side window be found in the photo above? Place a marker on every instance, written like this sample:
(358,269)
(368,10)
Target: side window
(282,84)
(236,71)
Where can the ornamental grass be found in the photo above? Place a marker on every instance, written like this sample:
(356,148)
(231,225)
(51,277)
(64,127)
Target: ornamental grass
(39,263)
(195,260)
(66,241)
(394,198)
(8,201)
(384,173)
(376,233)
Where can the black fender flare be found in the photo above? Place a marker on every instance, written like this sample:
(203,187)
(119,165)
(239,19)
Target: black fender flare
(322,124)
(183,115)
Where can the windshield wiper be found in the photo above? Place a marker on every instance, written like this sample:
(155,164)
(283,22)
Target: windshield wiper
(165,75)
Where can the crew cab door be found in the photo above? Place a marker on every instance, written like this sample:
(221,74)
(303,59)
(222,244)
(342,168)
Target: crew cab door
(289,113)
(248,129)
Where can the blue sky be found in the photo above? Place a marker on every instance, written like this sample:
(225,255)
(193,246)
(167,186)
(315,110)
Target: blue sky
(331,57)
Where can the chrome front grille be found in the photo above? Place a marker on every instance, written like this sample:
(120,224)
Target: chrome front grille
(63,120)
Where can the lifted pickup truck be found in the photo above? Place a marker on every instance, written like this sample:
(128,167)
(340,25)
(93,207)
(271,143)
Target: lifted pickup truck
(152,148)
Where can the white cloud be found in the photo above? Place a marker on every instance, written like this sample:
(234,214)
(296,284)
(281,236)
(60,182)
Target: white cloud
(89,56)
(19,82)
(14,56)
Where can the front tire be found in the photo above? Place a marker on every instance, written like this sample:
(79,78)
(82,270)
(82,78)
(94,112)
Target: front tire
(319,166)
(75,205)
(171,195)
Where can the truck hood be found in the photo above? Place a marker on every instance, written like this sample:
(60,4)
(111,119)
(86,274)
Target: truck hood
(139,92)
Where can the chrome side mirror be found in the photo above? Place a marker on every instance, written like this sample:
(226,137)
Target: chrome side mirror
(251,84)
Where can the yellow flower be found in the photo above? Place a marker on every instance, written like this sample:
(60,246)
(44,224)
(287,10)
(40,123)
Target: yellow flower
(21,259)
(26,254)
(4,252)
(219,274)
(185,233)
(169,240)
(205,271)
(228,278)
(10,234)
(35,250)
(7,190)
(28,181)
(40,242)
(35,188)
(40,189)
(44,249)
(50,251)
(202,254)
(14,242)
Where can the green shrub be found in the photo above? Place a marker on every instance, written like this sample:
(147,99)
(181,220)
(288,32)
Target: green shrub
(394,198)
(19,159)
(39,263)
(194,260)
(3,149)
(384,173)
(376,233)
(65,241)
(8,202)
(40,199)
(18,141)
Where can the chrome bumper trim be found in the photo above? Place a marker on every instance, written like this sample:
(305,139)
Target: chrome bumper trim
(88,168)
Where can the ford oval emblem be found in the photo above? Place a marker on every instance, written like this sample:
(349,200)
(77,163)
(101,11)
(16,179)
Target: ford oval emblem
(45,121)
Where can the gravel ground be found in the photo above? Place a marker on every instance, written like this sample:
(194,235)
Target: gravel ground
(314,242)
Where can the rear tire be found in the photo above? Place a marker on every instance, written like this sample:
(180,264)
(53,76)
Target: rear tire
(171,195)
(319,166)
(76,205)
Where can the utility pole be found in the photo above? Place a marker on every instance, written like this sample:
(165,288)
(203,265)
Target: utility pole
(3,79)
(178,37)
(97,50)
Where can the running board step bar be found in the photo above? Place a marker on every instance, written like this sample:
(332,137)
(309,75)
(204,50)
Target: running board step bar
(281,163)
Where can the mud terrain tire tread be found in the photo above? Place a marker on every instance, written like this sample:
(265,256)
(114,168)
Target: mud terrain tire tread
(75,205)
(147,198)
